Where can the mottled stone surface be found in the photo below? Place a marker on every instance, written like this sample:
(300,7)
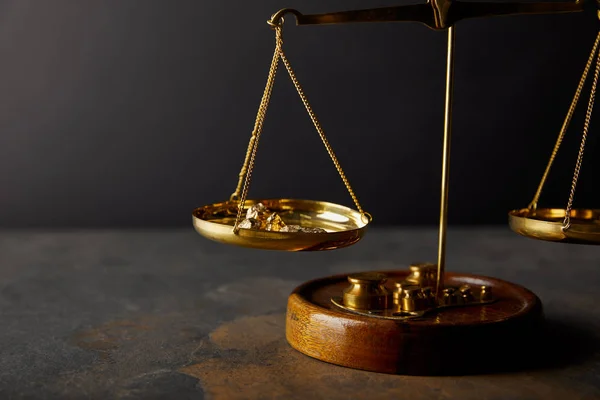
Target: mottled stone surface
(168,314)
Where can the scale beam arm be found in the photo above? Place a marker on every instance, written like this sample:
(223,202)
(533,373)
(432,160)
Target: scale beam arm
(409,13)
(465,10)
(436,14)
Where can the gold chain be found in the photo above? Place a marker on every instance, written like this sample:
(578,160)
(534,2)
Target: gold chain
(563,130)
(248,165)
(586,128)
(319,129)
(246,172)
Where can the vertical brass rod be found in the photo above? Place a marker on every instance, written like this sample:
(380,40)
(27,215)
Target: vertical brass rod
(445,164)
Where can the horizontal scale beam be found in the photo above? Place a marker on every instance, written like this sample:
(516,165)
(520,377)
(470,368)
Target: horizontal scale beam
(436,14)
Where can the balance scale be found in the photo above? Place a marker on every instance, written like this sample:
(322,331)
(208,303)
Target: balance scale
(421,321)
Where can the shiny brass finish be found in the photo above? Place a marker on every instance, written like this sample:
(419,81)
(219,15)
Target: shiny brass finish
(388,313)
(486,294)
(367,292)
(401,315)
(413,300)
(416,299)
(367,295)
(449,298)
(466,293)
(221,221)
(436,14)
(245,175)
(416,302)
(399,289)
(344,226)
(547,224)
(409,297)
(243,185)
(564,225)
(422,274)
(586,128)
(565,125)
(441,261)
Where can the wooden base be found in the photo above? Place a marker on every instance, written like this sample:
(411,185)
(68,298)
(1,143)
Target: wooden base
(461,340)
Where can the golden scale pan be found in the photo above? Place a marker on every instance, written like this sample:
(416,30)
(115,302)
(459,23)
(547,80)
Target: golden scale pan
(567,225)
(344,226)
(548,224)
(338,226)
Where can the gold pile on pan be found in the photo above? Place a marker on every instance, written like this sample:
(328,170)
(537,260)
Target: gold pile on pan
(568,224)
(281,224)
(259,217)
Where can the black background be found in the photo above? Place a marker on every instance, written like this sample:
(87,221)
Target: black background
(131,113)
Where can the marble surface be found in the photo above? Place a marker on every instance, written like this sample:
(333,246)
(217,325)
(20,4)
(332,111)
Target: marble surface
(167,314)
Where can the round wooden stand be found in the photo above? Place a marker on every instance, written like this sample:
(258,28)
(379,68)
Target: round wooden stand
(460,340)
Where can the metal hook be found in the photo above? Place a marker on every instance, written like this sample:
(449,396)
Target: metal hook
(566,224)
(366,218)
(277,18)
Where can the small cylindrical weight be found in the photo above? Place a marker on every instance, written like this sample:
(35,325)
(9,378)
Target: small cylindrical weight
(422,274)
(398,291)
(486,294)
(466,294)
(449,298)
(367,292)
(413,299)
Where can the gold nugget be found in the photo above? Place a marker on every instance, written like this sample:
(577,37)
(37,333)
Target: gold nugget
(274,223)
(259,217)
(258,212)
(250,224)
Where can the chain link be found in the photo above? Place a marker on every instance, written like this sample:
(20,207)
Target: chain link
(586,128)
(245,174)
(565,125)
